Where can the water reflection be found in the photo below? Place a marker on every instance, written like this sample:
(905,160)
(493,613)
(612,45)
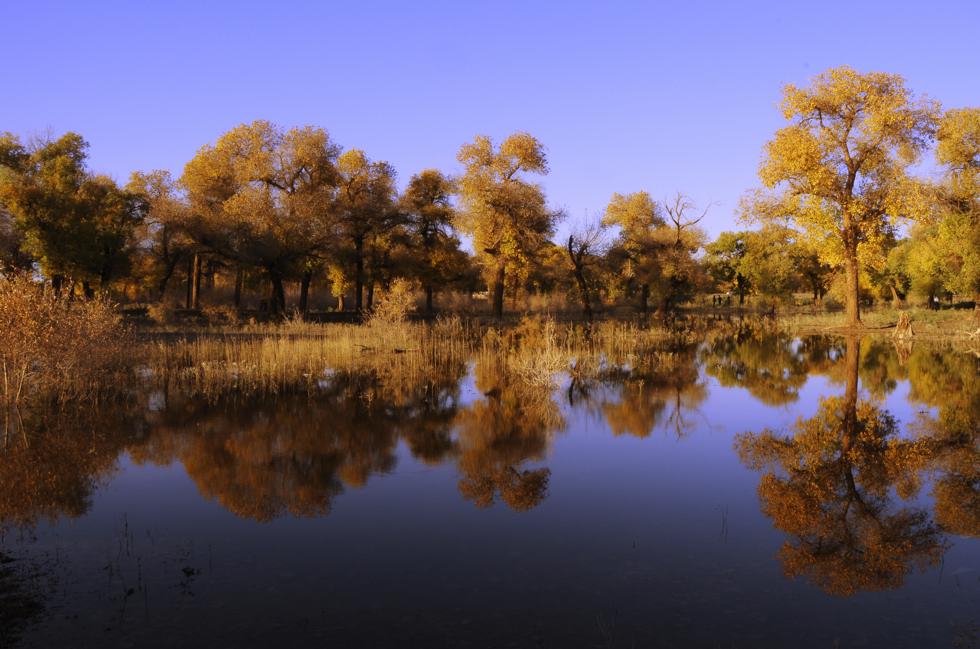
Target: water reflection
(829,486)
(849,485)
(50,464)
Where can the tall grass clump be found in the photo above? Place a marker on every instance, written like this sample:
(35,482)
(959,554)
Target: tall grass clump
(54,347)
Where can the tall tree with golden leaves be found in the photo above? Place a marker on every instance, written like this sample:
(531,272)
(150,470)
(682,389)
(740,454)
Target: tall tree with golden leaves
(364,204)
(840,169)
(262,196)
(428,213)
(504,212)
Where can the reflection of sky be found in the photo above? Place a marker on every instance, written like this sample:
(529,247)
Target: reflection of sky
(666,531)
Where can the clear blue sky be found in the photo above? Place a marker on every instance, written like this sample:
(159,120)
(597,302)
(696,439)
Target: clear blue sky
(626,96)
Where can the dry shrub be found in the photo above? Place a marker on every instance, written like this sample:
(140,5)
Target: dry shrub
(56,347)
(221,314)
(395,305)
(162,313)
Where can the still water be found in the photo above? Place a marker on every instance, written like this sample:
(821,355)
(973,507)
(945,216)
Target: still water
(759,491)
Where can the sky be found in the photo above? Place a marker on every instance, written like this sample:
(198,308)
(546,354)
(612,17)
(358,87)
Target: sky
(665,97)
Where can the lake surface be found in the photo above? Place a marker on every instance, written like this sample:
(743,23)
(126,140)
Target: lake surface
(758,491)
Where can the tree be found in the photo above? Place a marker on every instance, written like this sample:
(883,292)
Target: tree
(723,262)
(107,242)
(13,257)
(363,207)
(959,230)
(165,244)
(428,215)
(585,248)
(839,171)
(261,196)
(815,273)
(504,212)
(768,263)
(634,251)
(74,223)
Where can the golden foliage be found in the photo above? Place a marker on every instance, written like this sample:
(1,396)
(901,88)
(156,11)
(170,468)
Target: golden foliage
(55,347)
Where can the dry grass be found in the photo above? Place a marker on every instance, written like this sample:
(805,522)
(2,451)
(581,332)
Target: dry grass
(943,323)
(297,355)
(57,348)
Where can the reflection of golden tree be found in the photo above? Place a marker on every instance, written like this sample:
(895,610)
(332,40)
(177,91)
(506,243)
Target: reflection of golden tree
(50,465)
(264,458)
(828,486)
(950,381)
(496,434)
(662,388)
(767,364)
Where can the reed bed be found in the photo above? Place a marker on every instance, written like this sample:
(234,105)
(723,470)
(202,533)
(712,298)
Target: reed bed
(303,356)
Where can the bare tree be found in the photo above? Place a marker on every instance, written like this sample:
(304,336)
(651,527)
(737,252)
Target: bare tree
(677,211)
(586,246)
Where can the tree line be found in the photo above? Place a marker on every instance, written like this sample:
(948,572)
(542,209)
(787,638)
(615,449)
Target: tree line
(840,212)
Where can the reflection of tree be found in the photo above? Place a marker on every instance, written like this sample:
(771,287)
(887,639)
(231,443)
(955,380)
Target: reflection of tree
(663,389)
(262,458)
(50,464)
(497,434)
(770,365)
(951,383)
(427,424)
(829,485)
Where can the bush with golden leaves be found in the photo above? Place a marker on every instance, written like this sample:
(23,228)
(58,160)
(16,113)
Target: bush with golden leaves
(55,347)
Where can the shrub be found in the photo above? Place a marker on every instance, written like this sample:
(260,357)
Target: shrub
(396,304)
(162,313)
(56,347)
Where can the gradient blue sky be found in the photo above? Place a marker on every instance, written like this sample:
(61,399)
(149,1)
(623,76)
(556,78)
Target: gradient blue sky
(626,96)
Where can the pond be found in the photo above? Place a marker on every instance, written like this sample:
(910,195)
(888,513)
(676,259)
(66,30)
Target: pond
(754,491)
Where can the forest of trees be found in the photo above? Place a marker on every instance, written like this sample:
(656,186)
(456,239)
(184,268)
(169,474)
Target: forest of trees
(268,217)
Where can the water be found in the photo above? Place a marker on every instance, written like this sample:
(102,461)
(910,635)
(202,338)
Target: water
(641,508)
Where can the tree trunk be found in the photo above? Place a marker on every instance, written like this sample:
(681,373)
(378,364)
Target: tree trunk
(498,291)
(304,292)
(277,300)
(340,303)
(358,275)
(583,290)
(239,281)
(428,299)
(370,295)
(189,297)
(168,272)
(852,289)
(896,298)
(87,290)
(196,301)
(644,298)
(57,281)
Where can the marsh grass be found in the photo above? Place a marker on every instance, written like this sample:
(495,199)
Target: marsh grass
(302,356)
(297,355)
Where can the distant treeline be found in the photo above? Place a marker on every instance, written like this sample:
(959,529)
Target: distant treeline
(265,207)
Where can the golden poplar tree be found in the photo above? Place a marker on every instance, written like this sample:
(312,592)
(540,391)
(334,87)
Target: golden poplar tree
(840,170)
(504,212)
